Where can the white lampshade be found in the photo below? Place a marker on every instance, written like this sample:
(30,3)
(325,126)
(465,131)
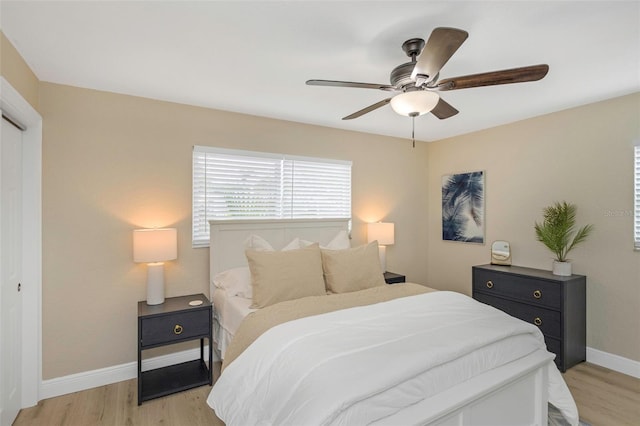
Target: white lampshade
(381,231)
(414,103)
(155,245)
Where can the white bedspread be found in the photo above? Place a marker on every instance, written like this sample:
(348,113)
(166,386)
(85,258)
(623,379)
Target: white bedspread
(332,368)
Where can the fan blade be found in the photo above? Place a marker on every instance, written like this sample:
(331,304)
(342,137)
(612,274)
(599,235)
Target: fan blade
(444,110)
(514,75)
(442,44)
(367,109)
(334,83)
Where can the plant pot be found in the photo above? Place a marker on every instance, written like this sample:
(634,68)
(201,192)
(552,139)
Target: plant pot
(561,268)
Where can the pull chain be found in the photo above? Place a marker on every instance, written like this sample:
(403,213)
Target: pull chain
(413,130)
(413,127)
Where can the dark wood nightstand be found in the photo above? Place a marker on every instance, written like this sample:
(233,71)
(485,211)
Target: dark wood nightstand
(174,321)
(556,304)
(393,278)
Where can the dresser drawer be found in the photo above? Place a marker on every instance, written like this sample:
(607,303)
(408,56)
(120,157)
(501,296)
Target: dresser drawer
(554,346)
(175,327)
(548,321)
(530,290)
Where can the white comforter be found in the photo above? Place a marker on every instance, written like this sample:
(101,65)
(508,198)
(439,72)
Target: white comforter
(360,365)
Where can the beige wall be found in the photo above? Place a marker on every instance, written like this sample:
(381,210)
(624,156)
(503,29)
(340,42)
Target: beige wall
(113,163)
(582,155)
(16,71)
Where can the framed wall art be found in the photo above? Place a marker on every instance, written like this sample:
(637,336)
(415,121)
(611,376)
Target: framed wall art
(463,207)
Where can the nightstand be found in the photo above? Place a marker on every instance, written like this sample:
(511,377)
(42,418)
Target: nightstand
(556,304)
(393,278)
(171,322)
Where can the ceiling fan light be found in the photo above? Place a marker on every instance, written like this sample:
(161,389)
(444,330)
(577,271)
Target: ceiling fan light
(414,103)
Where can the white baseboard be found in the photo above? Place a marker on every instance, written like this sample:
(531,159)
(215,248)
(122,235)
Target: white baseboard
(105,376)
(614,362)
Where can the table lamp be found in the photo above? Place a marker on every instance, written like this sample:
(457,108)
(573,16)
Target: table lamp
(154,247)
(383,232)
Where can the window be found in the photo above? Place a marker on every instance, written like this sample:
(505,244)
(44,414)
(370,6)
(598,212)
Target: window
(636,203)
(233,184)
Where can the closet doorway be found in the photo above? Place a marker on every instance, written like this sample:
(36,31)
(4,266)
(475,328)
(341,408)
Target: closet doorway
(21,256)
(10,271)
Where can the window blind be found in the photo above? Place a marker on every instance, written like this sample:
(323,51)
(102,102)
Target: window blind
(636,203)
(234,184)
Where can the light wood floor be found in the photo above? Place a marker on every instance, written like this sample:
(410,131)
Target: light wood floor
(604,398)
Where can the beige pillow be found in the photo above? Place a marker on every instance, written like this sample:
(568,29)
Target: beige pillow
(352,269)
(277,276)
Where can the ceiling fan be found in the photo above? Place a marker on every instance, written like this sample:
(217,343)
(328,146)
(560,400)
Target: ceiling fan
(418,81)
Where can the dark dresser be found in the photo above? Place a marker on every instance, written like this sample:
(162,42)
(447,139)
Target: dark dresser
(556,304)
(174,321)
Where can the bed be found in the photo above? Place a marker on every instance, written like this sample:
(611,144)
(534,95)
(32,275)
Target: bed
(385,354)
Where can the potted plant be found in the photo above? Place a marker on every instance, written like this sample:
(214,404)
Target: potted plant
(557,233)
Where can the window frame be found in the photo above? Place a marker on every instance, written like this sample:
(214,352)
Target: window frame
(636,197)
(276,186)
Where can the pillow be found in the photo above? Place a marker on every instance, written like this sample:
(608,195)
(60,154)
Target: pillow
(339,242)
(236,281)
(293,244)
(256,242)
(352,269)
(277,276)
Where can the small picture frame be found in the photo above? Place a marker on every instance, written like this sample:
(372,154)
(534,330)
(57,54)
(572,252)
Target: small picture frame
(501,253)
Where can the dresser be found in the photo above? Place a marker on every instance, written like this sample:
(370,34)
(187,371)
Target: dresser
(556,304)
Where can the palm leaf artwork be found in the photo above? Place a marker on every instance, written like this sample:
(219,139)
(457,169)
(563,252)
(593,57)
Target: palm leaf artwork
(463,207)
(557,229)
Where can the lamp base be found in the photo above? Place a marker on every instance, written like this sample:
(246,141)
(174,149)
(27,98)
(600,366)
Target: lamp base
(155,283)
(382,252)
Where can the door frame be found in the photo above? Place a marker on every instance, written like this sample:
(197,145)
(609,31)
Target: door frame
(18,108)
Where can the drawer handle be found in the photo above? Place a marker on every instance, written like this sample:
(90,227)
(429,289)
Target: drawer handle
(177,329)
(537,321)
(489,284)
(537,294)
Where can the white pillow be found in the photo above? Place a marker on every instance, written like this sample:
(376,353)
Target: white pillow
(339,242)
(293,245)
(236,281)
(256,242)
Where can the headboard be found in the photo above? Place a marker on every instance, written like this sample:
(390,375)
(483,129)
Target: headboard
(227,237)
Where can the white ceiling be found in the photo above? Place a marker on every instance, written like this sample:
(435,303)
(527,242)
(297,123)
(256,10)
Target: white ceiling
(254,57)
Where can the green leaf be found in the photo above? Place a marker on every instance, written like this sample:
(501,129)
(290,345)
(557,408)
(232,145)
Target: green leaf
(557,229)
